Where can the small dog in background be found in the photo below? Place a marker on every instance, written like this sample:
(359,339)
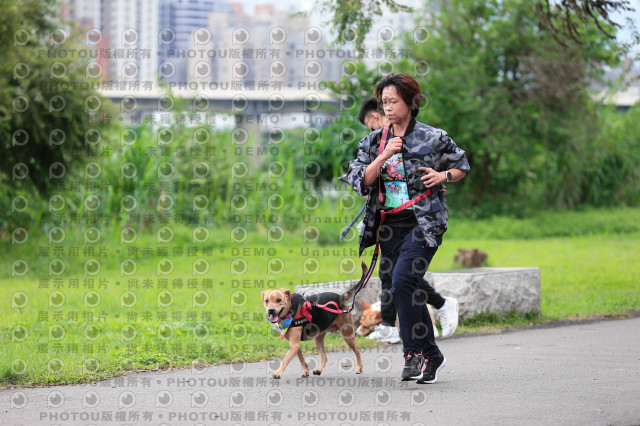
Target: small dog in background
(372,317)
(297,318)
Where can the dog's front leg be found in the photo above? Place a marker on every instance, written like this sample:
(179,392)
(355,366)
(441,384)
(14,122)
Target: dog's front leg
(347,330)
(294,336)
(319,342)
(303,363)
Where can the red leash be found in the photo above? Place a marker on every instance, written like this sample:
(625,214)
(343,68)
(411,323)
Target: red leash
(383,214)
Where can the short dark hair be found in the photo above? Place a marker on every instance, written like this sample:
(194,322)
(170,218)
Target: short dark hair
(407,87)
(370,105)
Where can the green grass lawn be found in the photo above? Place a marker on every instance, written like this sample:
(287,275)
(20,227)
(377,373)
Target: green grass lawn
(176,310)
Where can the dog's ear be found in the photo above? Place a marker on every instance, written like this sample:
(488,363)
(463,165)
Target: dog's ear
(264,295)
(365,305)
(286,292)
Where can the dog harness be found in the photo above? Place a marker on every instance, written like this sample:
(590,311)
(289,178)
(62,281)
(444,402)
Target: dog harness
(383,214)
(317,313)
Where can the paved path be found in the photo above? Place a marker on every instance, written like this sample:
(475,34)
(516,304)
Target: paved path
(586,373)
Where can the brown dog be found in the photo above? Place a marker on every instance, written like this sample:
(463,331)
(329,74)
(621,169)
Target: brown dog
(371,316)
(298,319)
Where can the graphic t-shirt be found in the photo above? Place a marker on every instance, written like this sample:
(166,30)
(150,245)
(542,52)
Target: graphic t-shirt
(395,182)
(396,191)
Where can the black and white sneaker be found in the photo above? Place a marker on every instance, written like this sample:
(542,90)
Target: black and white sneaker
(414,367)
(433,366)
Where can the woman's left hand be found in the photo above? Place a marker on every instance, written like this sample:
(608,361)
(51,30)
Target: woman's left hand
(432,177)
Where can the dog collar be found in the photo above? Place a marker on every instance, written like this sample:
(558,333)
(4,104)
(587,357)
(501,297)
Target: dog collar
(282,325)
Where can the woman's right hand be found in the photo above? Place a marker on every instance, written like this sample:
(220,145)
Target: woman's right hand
(392,147)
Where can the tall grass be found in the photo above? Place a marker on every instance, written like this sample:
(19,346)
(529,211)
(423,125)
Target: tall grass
(147,176)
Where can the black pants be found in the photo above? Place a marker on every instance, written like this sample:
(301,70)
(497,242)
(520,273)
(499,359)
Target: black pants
(388,307)
(406,258)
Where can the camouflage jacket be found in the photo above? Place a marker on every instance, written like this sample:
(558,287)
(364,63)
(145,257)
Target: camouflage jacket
(424,146)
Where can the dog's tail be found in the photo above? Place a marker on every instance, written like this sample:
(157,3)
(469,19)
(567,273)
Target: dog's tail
(347,295)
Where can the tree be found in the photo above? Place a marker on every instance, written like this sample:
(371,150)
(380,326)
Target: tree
(352,19)
(564,19)
(46,122)
(514,99)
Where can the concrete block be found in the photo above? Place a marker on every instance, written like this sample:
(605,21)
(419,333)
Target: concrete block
(478,290)
(490,290)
